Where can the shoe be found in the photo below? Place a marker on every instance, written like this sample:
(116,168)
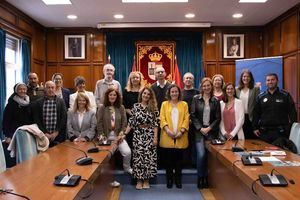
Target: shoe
(146,184)
(200,183)
(139,185)
(169,183)
(115,184)
(178,183)
(129,171)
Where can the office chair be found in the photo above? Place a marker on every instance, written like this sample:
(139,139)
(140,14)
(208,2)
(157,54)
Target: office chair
(295,135)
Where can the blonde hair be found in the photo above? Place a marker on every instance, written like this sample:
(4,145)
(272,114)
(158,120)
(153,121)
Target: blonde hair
(210,82)
(84,96)
(221,77)
(129,83)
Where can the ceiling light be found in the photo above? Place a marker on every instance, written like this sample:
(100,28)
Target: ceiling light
(72,17)
(253,1)
(56,2)
(190,15)
(155,1)
(237,15)
(153,25)
(118,16)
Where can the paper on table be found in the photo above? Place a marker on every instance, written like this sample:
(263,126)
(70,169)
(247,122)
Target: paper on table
(268,159)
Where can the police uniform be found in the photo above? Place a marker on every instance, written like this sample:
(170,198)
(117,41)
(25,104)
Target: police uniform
(273,115)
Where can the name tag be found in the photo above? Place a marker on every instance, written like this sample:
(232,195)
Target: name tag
(278,100)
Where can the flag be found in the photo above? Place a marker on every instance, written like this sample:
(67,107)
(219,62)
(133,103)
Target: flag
(133,65)
(176,75)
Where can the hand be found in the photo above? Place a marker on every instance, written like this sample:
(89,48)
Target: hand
(205,131)
(170,134)
(178,135)
(228,136)
(48,135)
(80,140)
(155,141)
(7,140)
(256,132)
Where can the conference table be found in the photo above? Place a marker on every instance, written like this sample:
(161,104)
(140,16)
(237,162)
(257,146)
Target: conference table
(230,179)
(34,178)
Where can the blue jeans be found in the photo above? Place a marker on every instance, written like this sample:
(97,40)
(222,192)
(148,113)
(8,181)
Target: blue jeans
(201,157)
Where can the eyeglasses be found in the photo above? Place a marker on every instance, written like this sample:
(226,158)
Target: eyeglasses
(160,72)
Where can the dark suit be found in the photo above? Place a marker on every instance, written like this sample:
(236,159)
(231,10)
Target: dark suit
(61,111)
(66,96)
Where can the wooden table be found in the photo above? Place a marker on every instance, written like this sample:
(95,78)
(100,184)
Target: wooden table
(230,179)
(34,177)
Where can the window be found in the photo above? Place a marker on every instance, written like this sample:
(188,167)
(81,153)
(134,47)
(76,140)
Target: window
(12,63)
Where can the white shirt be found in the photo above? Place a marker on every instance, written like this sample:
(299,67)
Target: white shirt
(244,96)
(80,118)
(175,116)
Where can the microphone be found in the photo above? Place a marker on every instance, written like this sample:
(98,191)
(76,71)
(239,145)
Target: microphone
(94,149)
(235,148)
(82,160)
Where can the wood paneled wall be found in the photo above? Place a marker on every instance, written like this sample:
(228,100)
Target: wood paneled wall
(213,61)
(282,37)
(90,67)
(18,24)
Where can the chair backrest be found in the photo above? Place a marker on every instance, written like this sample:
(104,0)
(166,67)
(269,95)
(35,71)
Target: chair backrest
(2,159)
(295,135)
(25,146)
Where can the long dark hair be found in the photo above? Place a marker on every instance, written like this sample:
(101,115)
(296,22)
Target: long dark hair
(168,94)
(118,101)
(251,83)
(225,98)
(152,104)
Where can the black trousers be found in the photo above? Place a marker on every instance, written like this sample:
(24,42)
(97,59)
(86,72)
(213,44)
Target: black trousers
(270,134)
(248,129)
(173,161)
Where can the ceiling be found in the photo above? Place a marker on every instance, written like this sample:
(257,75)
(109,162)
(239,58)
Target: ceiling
(92,12)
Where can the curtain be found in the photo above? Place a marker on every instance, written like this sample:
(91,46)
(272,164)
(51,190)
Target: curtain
(121,48)
(3,77)
(25,51)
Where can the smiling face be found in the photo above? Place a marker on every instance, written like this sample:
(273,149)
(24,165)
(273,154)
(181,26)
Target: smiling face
(174,93)
(58,80)
(108,71)
(49,89)
(217,82)
(146,95)
(81,102)
(246,78)
(135,79)
(21,91)
(206,87)
(230,91)
(33,79)
(271,82)
(160,73)
(112,97)
(188,80)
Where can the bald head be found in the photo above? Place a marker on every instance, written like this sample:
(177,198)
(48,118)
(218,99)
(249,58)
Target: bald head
(33,79)
(49,89)
(160,73)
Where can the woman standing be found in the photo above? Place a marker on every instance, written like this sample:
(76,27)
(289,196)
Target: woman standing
(232,115)
(130,96)
(247,92)
(218,84)
(81,124)
(61,92)
(16,114)
(206,117)
(144,121)
(174,124)
(112,123)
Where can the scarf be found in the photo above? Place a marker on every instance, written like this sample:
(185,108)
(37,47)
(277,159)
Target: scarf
(22,101)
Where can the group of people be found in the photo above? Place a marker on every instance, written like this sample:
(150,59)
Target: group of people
(152,124)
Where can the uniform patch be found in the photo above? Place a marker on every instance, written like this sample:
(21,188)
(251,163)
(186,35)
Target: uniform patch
(278,100)
(265,100)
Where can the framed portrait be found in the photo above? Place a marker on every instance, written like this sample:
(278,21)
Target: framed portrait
(233,46)
(74,46)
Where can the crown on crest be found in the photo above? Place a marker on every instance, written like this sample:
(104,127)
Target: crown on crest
(155,56)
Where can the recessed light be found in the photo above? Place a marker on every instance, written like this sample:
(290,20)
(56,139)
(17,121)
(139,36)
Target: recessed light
(118,16)
(57,2)
(72,17)
(253,1)
(237,15)
(155,1)
(190,15)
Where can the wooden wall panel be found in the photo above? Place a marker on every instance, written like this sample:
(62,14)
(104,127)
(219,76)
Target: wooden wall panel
(210,46)
(70,72)
(39,69)
(272,40)
(210,69)
(254,45)
(289,31)
(7,15)
(98,48)
(51,45)
(26,26)
(290,75)
(228,72)
(38,44)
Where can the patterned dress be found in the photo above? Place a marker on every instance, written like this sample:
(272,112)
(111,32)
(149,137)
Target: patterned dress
(144,152)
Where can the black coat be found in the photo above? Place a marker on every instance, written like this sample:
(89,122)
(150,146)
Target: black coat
(14,116)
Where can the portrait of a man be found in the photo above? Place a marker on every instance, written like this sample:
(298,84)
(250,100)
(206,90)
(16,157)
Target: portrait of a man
(74,46)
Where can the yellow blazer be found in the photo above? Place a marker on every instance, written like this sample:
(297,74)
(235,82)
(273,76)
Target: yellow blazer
(166,120)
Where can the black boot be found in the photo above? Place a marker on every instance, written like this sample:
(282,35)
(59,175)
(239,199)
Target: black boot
(169,174)
(200,183)
(178,182)
(205,182)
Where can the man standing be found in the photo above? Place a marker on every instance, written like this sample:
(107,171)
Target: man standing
(189,91)
(108,82)
(50,114)
(161,85)
(34,90)
(274,112)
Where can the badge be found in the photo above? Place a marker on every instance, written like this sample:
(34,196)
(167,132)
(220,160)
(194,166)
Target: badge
(265,100)
(278,100)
